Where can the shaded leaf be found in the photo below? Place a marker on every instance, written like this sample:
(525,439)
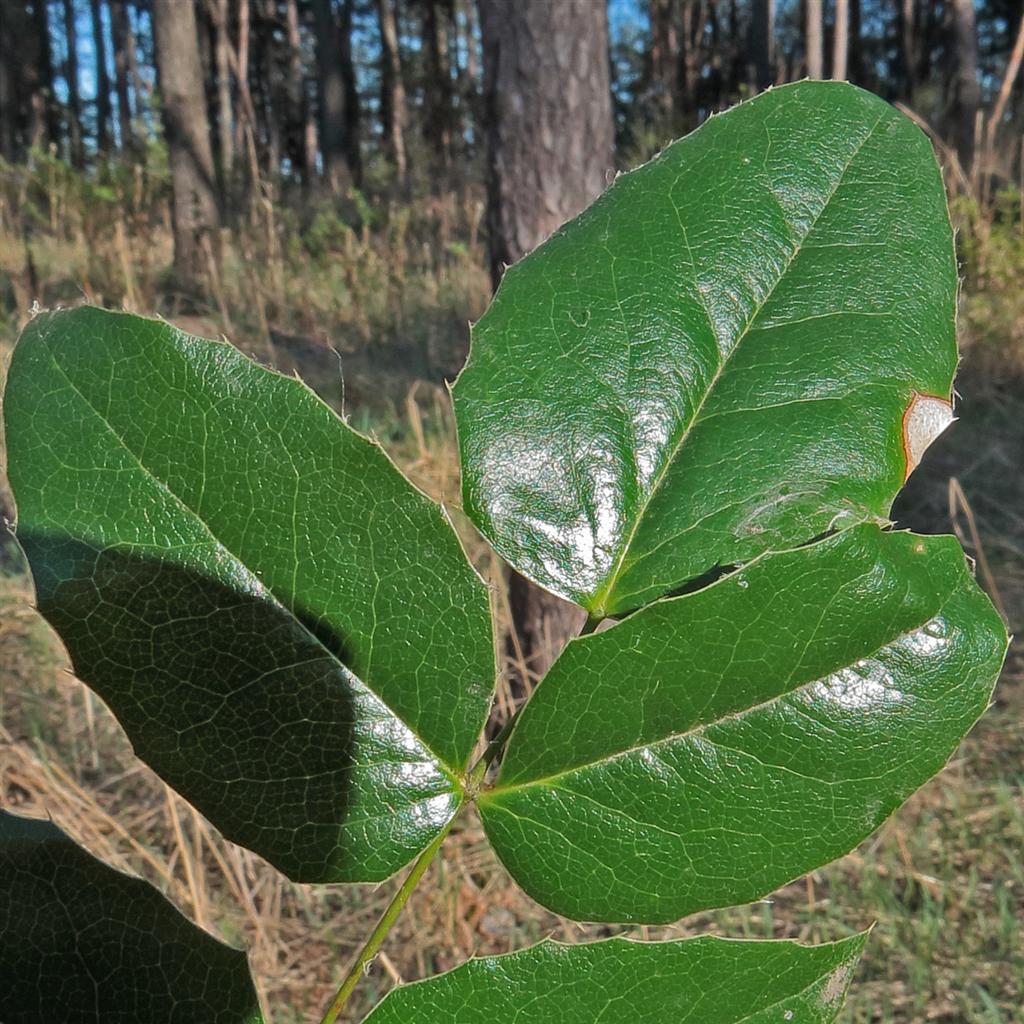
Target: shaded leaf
(83,943)
(288,631)
(714,746)
(716,358)
(706,980)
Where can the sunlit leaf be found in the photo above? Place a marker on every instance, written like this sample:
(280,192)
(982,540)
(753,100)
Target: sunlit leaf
(694,981)
(714,746)
(720,356)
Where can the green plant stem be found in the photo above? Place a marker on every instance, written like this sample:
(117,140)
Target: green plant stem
(384,925)
(474,780)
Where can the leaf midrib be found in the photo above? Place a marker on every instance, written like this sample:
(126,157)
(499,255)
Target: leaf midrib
(598,604)
(698,728)
(167,489)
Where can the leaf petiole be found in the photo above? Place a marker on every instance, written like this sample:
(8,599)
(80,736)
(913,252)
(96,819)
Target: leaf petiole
(384,925)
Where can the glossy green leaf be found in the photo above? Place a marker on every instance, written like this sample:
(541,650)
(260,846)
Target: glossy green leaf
(288,631)
(715,359)
(81,943)
(702,981)
(711,747)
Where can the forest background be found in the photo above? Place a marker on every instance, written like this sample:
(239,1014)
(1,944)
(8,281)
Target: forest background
(337,185)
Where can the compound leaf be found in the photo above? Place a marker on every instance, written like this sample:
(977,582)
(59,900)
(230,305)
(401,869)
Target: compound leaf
(82,943)
(703,980)
(288,631)
(711,747)
(740,344)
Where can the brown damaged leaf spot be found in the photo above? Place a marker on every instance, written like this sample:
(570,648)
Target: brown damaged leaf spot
(925,419)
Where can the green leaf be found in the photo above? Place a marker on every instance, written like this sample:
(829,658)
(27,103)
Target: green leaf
(288,631)
(703,980)
(715,359)
(714,746)
(82,942)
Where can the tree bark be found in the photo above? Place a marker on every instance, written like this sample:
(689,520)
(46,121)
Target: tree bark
(855,48)
(45,72)
(297,106)
(550,136)
(392,96)
(689,63)
(74,96)
(966,88)
(103,107)
(10,112)
(268,92)
(339,95)
(908,49)
(245,126)
(840,40)
(468,91)
(664,55)
(353,112)
(194,213)
(814,39)
(331,82)
(761,43)
(121,31)
(219,15)
(438,122)
(140,89)
(24,84)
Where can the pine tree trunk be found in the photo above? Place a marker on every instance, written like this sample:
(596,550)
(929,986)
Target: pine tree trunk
(331,83)
(855,58)
(438,123)
(841,40)
(194,214)
(245,126)
(23,82)
(814,39)
(121,31)
(392,95)
(45,56)
(664,55)
(9,105)
(103,109)
(353,113)
(908,49)
(296,108)
(220,15)
(339,97)
(966,89)
(761,44)
(691,57)
(548,114)
(74,97)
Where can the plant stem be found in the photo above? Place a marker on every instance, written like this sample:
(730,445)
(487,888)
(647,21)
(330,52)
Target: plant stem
(388,918)
(384,925)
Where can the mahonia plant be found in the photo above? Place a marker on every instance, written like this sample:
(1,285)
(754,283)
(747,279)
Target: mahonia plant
(689,412)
